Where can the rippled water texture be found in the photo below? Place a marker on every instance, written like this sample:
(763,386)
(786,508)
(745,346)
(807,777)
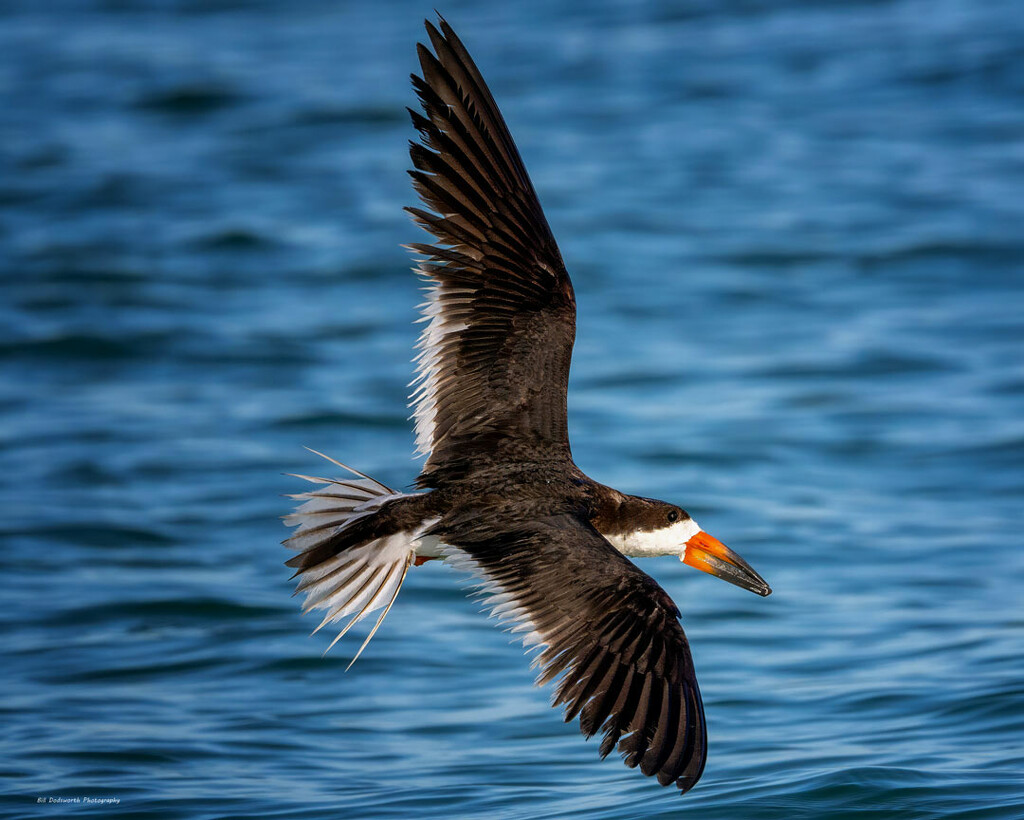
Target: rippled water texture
(796,236)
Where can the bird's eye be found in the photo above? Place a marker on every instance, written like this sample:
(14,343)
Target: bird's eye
(673,516)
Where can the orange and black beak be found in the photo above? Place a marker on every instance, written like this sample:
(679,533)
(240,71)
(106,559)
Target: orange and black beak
(712,556)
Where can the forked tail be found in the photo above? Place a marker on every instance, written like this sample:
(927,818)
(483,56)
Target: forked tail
(342,568)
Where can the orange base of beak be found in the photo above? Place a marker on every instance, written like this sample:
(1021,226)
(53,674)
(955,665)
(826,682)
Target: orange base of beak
(710,555)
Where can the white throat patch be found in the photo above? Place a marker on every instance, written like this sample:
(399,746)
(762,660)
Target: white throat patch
(670,540)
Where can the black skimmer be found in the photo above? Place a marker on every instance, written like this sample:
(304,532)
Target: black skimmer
(499,492)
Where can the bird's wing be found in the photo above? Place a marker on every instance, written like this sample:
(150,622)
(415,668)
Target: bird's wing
(606,627)
(494,361)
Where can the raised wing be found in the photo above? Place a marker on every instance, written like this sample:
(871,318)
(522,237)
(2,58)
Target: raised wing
(494,362)
(606,627)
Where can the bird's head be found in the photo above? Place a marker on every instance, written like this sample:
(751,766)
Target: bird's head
(641,527)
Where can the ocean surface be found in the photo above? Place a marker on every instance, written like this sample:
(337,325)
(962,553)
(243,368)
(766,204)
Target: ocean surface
(796,232)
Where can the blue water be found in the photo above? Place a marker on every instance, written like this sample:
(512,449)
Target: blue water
(795,231)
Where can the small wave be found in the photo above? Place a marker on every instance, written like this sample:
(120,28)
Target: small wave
(93,535)
(867,364)
(336,419)
(190,100)
(235,239)
(162,612)
(85,347)
(371,115)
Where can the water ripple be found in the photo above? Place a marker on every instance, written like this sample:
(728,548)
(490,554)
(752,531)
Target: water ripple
(794,233)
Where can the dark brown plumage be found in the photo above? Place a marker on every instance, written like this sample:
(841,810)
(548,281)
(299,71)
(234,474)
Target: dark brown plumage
(505,497)
(610,630)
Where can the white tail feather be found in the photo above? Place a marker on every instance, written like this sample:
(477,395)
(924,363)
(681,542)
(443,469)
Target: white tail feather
(358,580)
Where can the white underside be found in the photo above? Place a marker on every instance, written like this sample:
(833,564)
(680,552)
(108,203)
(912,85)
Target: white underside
(503,606)
(430,364)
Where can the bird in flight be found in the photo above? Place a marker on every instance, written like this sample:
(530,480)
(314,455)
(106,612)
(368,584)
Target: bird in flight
(499,493)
